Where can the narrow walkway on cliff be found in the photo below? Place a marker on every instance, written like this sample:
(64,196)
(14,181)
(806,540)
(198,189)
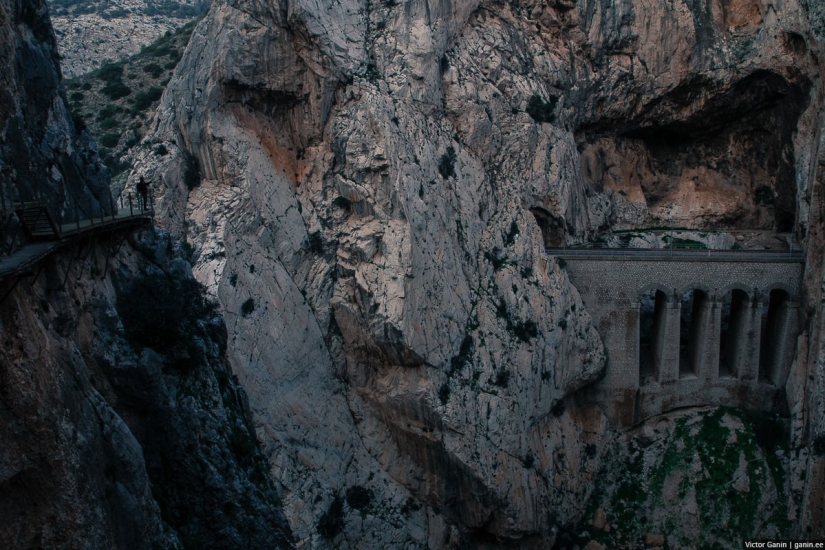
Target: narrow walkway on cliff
(793,254)
(47,232)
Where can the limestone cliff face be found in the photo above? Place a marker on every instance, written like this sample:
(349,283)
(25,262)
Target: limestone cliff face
(91,34)
(719,135)
(121,422)
(378,183)
(806,387)
(42,152)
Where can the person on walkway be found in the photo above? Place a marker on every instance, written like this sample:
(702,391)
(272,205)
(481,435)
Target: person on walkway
(143,190)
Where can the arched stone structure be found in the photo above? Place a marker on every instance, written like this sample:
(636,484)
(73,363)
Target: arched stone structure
(742,314)
(774,360)
(694,332)
(738,340)
(653,331)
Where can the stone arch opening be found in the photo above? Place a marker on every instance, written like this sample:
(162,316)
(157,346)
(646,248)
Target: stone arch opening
(784,222)
(779,286)
(692,332)
(652,318)
(733,339)
(775,325)
(552,230)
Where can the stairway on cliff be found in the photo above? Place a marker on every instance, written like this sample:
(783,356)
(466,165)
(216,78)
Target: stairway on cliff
(37,221)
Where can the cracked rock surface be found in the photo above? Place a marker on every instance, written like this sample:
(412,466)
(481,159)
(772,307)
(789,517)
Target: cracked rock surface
(375,186)
(121,423)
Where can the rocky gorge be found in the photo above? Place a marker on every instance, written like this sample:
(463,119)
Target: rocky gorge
(122,425)
(365,191)
(90,33)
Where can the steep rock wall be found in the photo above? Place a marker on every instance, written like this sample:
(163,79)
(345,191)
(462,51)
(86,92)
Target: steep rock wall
(43,154)
(700,146)
(378,184)
(806,386)
(121,423)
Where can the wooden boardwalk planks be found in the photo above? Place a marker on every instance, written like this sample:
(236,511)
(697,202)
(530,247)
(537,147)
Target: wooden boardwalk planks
(21,262)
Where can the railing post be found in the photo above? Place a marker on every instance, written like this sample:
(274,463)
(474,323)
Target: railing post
(91,212)
(131,212)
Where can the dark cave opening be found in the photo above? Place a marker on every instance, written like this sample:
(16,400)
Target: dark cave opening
(552,229)
(736,138)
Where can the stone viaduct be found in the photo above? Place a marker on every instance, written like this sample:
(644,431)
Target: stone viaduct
(686,329)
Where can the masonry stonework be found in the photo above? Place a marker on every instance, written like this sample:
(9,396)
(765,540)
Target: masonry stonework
(612,289)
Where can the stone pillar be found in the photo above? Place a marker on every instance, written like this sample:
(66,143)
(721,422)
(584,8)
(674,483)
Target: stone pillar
(711,338)
(790,328)
(693,364)
(749,341)
(669,367)
(630,344)
(660,321)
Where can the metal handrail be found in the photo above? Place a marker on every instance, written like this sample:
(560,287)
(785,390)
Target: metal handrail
(601,245)
(84,212)
(685,255)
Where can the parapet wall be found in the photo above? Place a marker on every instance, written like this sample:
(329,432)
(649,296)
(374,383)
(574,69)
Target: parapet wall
(713,353)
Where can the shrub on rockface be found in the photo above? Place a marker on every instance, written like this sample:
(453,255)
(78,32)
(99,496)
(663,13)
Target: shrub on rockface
(108,111)
(359,498)
(332,521)
(153,69)
(446,166)
(818,445)
(316,243)
(109,140)
(191,171)
(247,307)
(540,110)
(457,362)
(116,90)
(108,123)
(161,311)
(144,99)
(502,378)
(711,460)
(110,72)
(79,123)
(444,393)
(372,73)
